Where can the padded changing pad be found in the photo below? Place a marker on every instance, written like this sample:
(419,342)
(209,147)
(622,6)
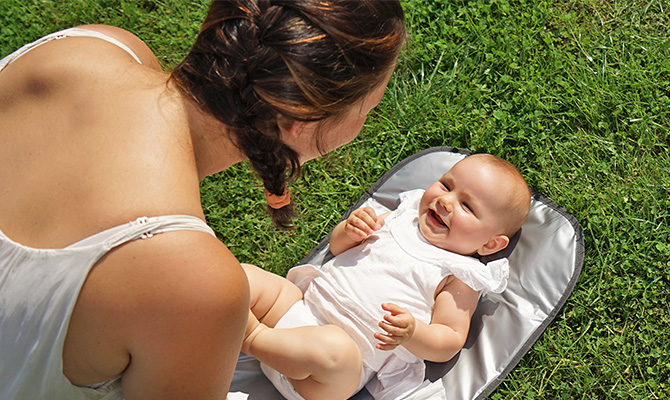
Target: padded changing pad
(545,263)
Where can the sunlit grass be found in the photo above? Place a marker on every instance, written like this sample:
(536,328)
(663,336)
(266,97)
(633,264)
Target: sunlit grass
(575,93)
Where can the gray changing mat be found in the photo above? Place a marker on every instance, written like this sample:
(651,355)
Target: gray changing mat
(545,263)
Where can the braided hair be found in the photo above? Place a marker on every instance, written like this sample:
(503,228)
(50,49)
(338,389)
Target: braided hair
(305,60)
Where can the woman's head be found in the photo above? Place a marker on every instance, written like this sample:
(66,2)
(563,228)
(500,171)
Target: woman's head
(258,65)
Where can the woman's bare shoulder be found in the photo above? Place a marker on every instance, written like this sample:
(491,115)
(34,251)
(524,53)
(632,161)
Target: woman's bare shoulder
(177,303)
(194,301)
(78,61)
(139,47)
(184,263)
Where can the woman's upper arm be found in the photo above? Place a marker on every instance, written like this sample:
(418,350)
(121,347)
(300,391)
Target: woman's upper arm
(135,44)
(185,334)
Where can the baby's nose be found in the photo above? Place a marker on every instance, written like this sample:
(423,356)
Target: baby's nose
(445,202)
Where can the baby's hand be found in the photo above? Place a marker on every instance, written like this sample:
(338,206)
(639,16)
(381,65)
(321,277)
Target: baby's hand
(362,222)
(399,326)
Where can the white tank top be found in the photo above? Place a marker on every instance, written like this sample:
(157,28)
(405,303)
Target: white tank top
(38,291)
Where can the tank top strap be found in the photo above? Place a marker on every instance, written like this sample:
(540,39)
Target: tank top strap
(154,225)
(144,228)
(70,32)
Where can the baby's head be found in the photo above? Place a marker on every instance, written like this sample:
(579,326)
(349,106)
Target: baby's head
(476,207)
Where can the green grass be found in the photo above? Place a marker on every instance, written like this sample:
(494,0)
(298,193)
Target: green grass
(576,93)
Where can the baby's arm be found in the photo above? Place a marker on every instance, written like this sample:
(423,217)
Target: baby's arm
(362,222)
(440,340)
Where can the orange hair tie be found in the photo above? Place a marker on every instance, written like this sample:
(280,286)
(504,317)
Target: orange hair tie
(278,202)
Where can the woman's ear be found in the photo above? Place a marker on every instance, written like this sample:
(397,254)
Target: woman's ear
(495,244)
(296,128)
(290,127)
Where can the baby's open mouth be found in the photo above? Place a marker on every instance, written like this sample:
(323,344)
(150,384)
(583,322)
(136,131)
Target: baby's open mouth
(436,219)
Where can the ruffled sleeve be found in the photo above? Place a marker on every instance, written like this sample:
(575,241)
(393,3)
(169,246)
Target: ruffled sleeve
(484,278)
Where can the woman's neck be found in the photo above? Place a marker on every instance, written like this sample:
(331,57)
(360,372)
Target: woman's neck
(213,147)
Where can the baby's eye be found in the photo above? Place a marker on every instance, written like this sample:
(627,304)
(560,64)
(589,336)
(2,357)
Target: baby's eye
(467,207)
(446,187)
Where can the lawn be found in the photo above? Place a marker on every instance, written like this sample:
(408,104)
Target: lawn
(575,93)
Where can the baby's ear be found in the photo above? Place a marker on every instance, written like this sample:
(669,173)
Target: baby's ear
(495,244)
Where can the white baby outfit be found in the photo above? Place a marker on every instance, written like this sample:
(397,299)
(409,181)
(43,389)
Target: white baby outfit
(394,265)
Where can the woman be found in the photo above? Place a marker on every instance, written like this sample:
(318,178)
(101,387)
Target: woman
(95,135)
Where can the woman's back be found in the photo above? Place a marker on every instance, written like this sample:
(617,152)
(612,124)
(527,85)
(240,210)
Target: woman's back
(90,140)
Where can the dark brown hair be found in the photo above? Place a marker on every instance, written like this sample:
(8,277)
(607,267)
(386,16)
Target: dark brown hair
(303,59)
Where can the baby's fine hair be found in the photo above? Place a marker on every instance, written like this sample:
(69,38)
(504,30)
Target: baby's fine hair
(305,60)
(517,205)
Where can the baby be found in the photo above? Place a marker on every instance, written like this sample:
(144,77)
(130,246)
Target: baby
(402,288)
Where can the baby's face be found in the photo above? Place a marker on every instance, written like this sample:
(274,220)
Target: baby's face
(460,211)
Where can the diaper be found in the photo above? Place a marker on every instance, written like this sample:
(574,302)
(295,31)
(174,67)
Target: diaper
(300,315)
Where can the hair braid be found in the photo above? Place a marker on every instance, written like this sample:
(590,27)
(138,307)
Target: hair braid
(260,140)
(306,61)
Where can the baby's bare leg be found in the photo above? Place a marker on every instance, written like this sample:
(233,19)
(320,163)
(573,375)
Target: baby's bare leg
(271,295)
(322,362)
